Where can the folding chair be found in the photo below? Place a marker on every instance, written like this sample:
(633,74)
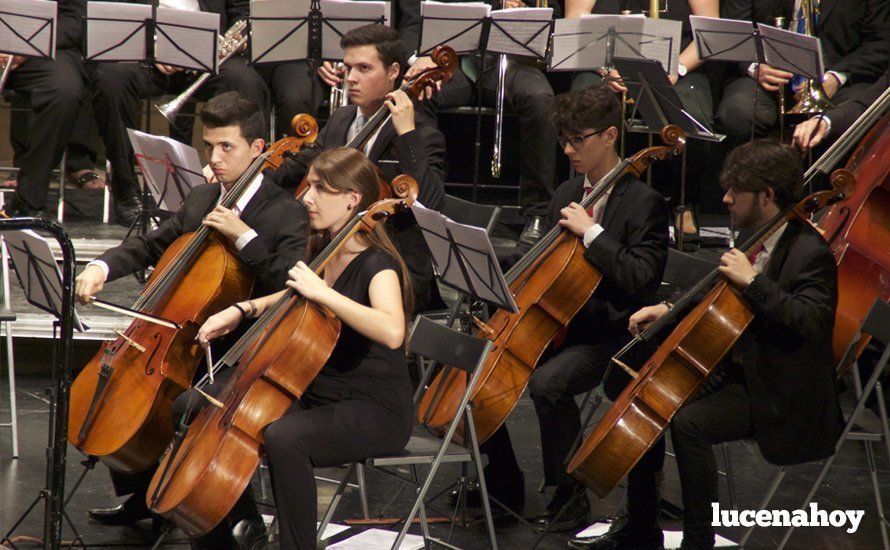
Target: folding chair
(877,325)
(7,316)
(467,353)
(471,213)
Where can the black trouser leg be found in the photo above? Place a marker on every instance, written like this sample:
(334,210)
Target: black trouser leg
(56,90)
(643,497)
(83,147)
(295,89)
(721,416)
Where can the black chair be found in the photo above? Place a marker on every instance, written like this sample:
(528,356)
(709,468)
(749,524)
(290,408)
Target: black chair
(471,213)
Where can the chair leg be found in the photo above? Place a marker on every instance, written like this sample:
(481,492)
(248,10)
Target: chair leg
(424,524)
(477,459)
(338,495)
(730,480)
(362,489)
(773,487)
(10,355)
(106,194)
(60,210)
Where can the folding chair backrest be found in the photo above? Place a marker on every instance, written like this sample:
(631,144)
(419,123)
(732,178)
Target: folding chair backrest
(877,322)
(471,213)
(684,270)
(445,345)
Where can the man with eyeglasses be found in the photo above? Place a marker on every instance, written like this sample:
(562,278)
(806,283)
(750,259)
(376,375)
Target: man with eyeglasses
(625,235)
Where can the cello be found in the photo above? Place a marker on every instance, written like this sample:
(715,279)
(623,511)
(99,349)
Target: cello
(446,62)
(681,364)
(550,284)
(206,471)
(120,401)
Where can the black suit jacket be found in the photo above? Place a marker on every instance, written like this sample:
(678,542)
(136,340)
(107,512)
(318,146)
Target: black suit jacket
(419,153)
(786,353)
(281,224)
(843,116)
(71,14)
(631,253)
(855,34)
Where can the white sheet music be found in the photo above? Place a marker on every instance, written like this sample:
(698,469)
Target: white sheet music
(520,31)
(116,31)
(458,25)
(724,39)
(28,27)
(796,53)
(340,17)
(378,539)
(152,153)
(645,38)
(187,39)
(582,44)
(275,32)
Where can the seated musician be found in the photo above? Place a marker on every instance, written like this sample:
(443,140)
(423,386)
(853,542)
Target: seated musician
(118,87)
(835,121)
(855,44)
(373,57)
(626,240)
(267,227)
(360,404)
(777,383)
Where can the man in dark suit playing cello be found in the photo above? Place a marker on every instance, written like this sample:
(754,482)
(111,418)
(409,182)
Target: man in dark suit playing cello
(267,227)
(626,240)
(776,384)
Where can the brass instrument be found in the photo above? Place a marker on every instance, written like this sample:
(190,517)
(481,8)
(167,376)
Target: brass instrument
(811,98)
(339,94)
(779,23)
(229,45)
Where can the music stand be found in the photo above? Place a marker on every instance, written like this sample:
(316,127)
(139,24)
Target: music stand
(279,30)
(187,39)
(462,27)
(28,28)
(522,32)
(118,32)
(170,169)
(339,17)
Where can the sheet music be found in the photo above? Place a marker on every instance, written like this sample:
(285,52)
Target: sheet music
(520,31)
(187,39)
(116,31)
(28,27)
(582,44)
(37,271)
(645,38)
(458,25)
(724,39)
(278,30)
(340,17)
(789,51)
(152,154)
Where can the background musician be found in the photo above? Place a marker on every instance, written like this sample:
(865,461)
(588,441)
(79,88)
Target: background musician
(777,383)
(855,38)
(267,227)
(360,403)
(626,240)
(55,89)
(403,145)
(118,87)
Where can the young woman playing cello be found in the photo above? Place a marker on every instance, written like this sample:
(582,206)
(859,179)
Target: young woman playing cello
(360,404)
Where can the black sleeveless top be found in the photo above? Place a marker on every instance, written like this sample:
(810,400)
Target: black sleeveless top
(360,368)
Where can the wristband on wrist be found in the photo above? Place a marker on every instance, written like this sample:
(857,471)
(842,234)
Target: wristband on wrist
(253,309)
(669,305)
(241,309)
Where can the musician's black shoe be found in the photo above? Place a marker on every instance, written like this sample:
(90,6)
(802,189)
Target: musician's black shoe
(534,229)
(126,208)
(132,510)
(249,534)
(574,516)
(18,209)
(623,536)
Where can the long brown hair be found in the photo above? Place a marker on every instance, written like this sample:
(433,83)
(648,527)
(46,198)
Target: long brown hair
(345,170)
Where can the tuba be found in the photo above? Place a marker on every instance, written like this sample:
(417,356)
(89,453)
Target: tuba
(229,45)
(811,98)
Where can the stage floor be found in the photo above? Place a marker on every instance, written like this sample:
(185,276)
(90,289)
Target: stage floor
(847,486)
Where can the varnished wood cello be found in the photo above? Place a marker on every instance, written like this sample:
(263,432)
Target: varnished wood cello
(120,402)
(550,284)
(681,364)
(204,474)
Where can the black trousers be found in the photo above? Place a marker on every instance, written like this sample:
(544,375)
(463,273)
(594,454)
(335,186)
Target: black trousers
(318,433)
(117,88)
(742,106)
(575,369)
(294,89)
(529,95)
(56,90)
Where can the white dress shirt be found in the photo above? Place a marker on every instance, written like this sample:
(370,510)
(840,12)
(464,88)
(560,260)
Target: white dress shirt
(598,208)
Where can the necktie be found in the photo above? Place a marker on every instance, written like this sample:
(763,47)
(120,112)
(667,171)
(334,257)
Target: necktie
(587,192)
(754,252)
(360,122)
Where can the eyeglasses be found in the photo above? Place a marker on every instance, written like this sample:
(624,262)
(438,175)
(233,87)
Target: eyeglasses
(576,141)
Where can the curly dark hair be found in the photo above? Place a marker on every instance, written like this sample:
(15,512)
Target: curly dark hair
(596,107)
(233,109)
(761,164)
(385,39)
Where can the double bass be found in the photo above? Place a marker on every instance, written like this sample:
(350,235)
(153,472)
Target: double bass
(446,62)
(550,284)
(206,471)
(681,364)
(120,401)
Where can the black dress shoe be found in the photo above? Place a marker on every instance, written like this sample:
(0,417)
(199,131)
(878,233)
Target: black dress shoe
(132,510)
(533,231)
(17,209)
(126,209)
(249,534)
(621,536)
(574,516)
